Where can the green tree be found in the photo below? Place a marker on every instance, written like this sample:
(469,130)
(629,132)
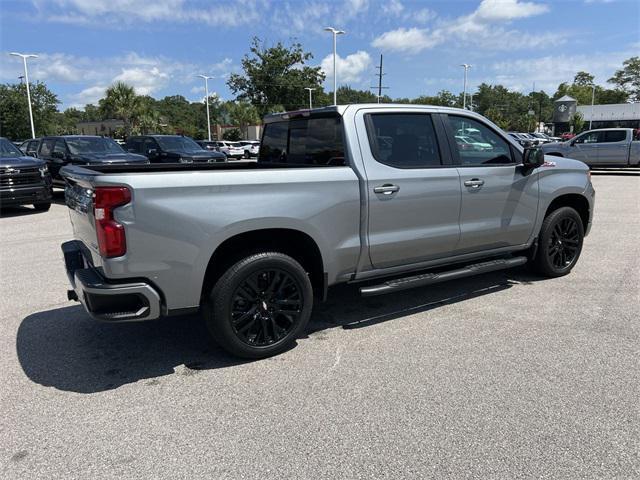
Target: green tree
(67,121)
(121,102)
(583,79)
(275,75)
(628,78)
(577,122)
(242,115)
(14,111)
(233,135)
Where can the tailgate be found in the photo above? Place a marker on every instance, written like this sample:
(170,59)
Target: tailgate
(79,198)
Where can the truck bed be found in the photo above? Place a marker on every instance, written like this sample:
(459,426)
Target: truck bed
(187,167)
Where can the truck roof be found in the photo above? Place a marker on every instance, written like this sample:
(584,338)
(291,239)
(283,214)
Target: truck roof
(340,109)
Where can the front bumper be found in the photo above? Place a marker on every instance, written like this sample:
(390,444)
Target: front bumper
(25,195)
(107,300)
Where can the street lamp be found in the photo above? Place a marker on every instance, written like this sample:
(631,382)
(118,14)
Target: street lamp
(335,73)
(26,81)
(310,98)
(466,67)
(206,92)
(593,97)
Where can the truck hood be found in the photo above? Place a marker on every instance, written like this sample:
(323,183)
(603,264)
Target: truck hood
(111,158)
(17,162)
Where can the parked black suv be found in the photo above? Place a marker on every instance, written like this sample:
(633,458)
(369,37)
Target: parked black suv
(30,147)
(82,150)
(172,149)
(23,180)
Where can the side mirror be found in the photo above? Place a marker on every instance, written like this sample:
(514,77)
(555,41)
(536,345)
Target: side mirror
(152,152)
(58,155)
(533,157)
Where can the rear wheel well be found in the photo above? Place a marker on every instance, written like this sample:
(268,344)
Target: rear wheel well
(579,203)
(294,243)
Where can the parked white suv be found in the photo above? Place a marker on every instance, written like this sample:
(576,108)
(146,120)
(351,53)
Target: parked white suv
(231,149)
(251,148)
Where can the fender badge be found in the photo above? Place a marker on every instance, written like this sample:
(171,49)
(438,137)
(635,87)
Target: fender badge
(549,164)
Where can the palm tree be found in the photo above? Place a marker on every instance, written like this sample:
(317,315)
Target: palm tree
(121,101)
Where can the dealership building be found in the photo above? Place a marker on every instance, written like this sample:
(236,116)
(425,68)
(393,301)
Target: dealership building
(620,115)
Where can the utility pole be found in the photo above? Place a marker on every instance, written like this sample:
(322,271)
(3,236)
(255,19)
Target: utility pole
(335,33)
(466,67)
(593,98)
(380,74)
(206,93)
(26,81)
(310,97)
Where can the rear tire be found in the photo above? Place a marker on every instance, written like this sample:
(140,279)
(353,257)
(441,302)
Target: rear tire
(247,155)
(42,207)
(260,305)
(559,243)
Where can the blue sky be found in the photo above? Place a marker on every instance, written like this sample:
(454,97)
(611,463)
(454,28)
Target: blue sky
(160,45)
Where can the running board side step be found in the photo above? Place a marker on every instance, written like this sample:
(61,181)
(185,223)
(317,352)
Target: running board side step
(431,278)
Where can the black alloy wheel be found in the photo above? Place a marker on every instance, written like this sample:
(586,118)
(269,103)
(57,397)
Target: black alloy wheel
(559,243)
(266,306)
(563,243)
(259,305)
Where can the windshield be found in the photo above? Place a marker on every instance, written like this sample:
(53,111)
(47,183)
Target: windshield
(8,149)
(80,145)
(179,144)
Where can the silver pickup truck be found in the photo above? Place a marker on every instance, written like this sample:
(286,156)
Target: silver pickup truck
(380,195)
(607,147)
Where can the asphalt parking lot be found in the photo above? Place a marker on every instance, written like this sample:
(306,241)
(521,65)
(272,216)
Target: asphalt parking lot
(500,376)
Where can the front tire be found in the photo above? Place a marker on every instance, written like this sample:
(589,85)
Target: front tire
(42,207)
(247,155)
(260,305)
(559,243)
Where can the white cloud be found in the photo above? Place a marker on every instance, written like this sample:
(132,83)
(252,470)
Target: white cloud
(230,13)
(393,7)
(423,15)
(481,28)
(353,8)
(88,95)
(350,68)
(549,71)
(145,81)
(408,40)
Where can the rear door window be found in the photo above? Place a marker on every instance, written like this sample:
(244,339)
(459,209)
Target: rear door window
(615,136)
(305,141)
(404,140)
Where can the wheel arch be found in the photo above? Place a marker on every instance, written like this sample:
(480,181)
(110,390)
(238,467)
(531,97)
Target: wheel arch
(574,200)
(295,243)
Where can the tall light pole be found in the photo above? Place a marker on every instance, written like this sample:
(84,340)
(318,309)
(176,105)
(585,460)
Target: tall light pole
(466,67)
(310,97)
(593,98)
(26,81)
(335,73)
(206,93)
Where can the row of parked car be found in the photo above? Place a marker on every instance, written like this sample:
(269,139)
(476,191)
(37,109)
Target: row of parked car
(25,181)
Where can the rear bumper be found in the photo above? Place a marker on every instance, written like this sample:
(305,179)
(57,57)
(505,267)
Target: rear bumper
(105,300)
(25,195)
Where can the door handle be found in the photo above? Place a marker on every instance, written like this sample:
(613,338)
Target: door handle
(386,189)
(474,183)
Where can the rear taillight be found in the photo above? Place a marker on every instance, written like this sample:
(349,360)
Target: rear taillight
(111,238)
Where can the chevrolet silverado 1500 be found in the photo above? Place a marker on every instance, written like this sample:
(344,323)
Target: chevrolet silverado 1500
(380,195)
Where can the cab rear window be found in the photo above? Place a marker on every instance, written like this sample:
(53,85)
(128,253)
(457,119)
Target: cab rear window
(305,141)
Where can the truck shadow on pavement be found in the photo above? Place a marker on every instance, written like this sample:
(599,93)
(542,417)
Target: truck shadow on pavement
(65,349)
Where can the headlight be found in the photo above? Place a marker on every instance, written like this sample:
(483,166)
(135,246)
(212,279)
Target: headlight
(44,170)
